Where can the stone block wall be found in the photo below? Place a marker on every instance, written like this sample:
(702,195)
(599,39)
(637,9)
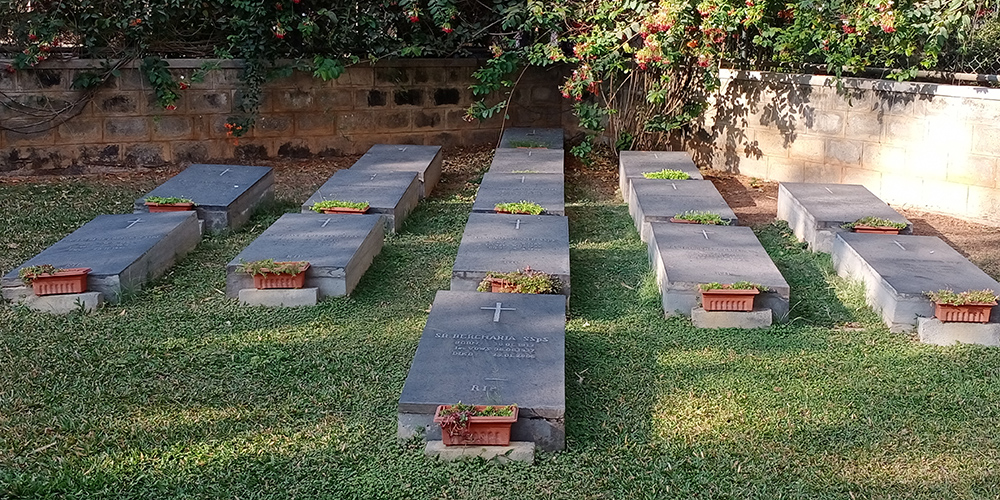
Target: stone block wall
(923,145)
(45,125)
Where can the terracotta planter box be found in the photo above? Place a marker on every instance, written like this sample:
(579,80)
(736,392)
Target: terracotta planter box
(345,210)
(968,313)
(501,286)
(481,431)
(66,281)
(270,280)
(728,300)
(169,207)
(876,229)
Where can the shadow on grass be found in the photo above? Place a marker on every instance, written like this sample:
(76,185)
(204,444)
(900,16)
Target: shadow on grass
(813,299)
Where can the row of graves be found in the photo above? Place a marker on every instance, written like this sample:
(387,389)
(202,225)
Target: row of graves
(914,282)
(318,254)
(340,229)
(707,267)
(488,377)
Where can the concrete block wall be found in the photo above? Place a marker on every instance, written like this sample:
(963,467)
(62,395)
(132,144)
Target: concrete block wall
(922,145)
(415,101)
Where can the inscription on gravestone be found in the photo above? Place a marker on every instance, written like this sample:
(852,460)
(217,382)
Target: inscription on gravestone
(484,348)
(506,243)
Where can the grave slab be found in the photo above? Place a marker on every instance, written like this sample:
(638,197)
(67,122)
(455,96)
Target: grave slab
(683,257)
(758,318)
(815,212)
(65,303)
(424,160)
(632,164)
(528,161)
(509,242)
(491,348)
(279,297)
(123,251)
(392,194)
(934,331)
(225,196)
(898,270)
(543,189)
(339,248)
(517,451)
(551,138)
(655,200)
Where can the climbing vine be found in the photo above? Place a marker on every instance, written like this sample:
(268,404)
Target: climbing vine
(635,69)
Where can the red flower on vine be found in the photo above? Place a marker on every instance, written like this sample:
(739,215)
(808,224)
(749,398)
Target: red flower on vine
(170,107)
(32,37)
(414,18)
(183,85)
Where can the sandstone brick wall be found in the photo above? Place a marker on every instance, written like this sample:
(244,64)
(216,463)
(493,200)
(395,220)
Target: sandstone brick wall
(420,101)
(923,145)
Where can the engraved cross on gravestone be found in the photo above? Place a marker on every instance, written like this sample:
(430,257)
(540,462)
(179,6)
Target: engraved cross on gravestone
(496,310)
(133,222)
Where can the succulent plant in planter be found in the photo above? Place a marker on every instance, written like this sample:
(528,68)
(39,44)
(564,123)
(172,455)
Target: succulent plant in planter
(485,425)
(340,207)
(695,217)
(874,225)
(736,296)
(270,274)
(667,174)
(519,207)
(168,204)
(971,306)
(520,281)
(46,279)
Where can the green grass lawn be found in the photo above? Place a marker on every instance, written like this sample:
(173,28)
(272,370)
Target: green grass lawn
(180,393)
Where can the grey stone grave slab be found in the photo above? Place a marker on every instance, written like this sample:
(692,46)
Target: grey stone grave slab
(654,200)
(528,161)
(65,303)
(898,270)
(516,451)
(339,248)
(392,194)
(686,255)
(543,189)
(632,164)
(123,251)
(508,242)
(491,348)
(934,331)
(551,138)
(424,160)
(816,211)
(225,196)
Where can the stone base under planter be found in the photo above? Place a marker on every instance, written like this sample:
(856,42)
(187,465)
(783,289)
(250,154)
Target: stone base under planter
(758,318)
(517,451)
(64,303)
(934,331)
(279,297)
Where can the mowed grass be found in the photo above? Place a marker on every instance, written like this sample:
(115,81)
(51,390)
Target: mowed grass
(180,393)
